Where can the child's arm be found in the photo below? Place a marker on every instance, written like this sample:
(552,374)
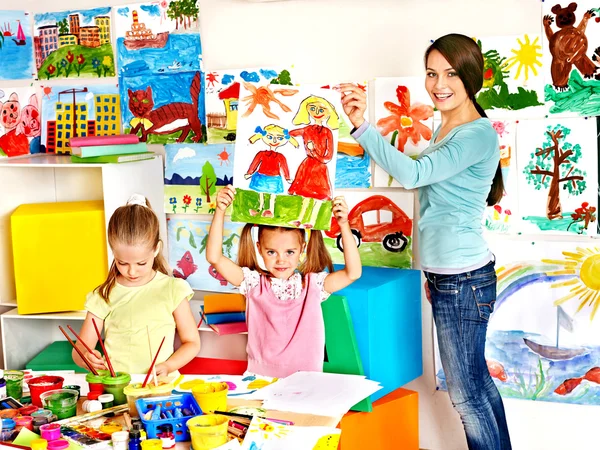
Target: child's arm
(214,248)
(353,268)
(189,337)
(88,335)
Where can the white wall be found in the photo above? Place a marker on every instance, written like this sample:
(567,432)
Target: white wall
(329,40)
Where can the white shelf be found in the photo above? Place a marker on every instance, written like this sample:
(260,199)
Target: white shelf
(46,160)
(67,315)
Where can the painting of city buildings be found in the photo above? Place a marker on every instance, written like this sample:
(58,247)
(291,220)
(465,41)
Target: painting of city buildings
(68,112)
(72,44)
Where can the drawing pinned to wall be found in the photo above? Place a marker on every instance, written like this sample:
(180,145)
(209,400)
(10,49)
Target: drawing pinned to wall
(158,37)
(187,244)
(353,165)
(91,110)
(571,57)
(382,225)
(404,116)
(502,217)
(16,46)
(512,76)
(222,91)
(266,435)
(543,338)
(194,173)
(73,44)
(284,167)
(558,175)
(20,125)
(163,109)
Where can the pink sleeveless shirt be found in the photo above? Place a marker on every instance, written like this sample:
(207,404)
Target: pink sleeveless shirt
(285,336)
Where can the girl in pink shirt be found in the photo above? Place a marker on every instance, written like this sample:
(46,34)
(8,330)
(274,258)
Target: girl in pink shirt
(286,332)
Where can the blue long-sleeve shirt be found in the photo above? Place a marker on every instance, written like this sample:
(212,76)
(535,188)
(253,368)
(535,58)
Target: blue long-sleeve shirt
(454,177)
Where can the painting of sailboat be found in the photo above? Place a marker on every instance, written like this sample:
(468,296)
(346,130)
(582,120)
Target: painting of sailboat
(16,47)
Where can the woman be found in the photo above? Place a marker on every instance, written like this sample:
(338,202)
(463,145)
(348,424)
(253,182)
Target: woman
(457,176)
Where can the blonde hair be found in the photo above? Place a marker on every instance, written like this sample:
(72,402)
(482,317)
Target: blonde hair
(132,224)
(317,256)
(303,118)
(274,129)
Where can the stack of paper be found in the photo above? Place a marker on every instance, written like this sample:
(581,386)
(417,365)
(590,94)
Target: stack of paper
(325,394)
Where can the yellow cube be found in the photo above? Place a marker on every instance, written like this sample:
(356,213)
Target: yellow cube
(60,255)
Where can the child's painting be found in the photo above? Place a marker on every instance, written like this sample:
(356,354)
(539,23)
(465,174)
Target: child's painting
(571,57)
(158,37)
(194,173)
(266,435)
(543,340)
(16,46)
(74,44)
(382,225)
(502,218)
(513,83)
(222,91)
(557,164)
(187,244)
(285,159)
(239,385)
(404,116)
(73,111)
(20,123)
(163,108)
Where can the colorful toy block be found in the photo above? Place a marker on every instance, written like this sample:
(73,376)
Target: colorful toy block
(393,424)
(59,254)
(341,349)
(385,305)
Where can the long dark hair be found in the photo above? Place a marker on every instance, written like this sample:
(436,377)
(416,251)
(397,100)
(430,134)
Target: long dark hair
(464,55)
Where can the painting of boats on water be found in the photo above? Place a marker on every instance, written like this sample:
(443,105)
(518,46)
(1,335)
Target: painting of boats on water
(16,46)
(543,340)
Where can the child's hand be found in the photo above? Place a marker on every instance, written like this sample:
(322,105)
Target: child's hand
(96,360)
(354,102)
(340,210)
(162,370)
(225,197)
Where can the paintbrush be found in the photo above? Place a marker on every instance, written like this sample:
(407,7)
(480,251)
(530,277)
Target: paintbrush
(85,360)
(110,367)
(80,340)
(153,362)
(150,350)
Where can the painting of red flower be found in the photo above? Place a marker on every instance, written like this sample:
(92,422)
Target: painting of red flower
(405,121)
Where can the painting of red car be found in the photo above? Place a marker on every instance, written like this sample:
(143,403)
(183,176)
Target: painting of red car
(391,231)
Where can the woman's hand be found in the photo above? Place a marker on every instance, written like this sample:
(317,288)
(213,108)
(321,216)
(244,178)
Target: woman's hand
(225,197)
(354,102)
(95,359)
(340,210)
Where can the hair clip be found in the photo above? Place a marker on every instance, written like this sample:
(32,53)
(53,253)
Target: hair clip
(286,134)
(137,199)
(259,130)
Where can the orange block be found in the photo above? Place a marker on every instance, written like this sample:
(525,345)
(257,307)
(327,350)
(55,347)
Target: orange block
(393,424)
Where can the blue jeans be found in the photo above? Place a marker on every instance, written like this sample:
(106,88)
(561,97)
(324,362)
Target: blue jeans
(462,305)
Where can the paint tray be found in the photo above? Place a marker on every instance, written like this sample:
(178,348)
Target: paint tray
(184,401)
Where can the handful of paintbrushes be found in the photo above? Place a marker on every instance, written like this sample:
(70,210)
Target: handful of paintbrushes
(238,424)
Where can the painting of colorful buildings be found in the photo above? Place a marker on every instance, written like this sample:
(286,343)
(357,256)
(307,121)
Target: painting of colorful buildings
(72,44)
(79,111)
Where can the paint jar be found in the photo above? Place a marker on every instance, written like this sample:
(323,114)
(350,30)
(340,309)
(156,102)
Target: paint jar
(59,444)
(39,444)
(120,440)
(107,401)
(74,387)
(24,422)
(50,431)
(14,383)
(94,395)
(166,436)
(7,432)
(46,413)
(152,444)
(211,397)
(39,385)
(62,402)
(208,431)
(9,413)
(2,388)
(38,422)
(135,441)
(89,406)
(133,392)
(136,424)
(95,381)
(116,385)
(28,410)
